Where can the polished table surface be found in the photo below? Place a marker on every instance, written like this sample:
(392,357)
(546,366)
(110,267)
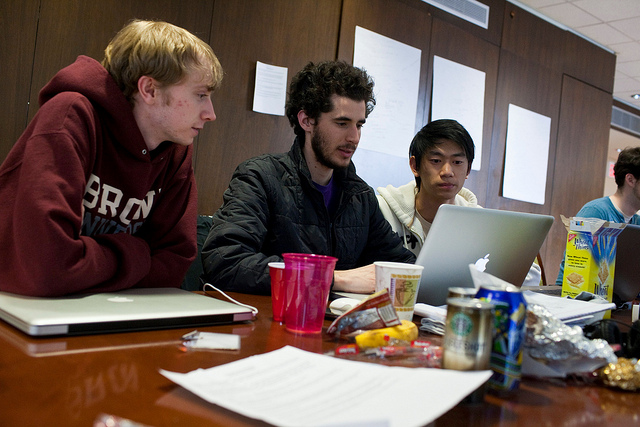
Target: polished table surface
(70,381)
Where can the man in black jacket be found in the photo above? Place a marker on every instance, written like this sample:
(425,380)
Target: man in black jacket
(308,200)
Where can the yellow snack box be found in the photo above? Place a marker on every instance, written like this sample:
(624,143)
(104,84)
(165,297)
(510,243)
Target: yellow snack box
(590,258)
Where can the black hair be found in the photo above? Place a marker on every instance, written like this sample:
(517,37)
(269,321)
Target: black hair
(628,162)
(437,132)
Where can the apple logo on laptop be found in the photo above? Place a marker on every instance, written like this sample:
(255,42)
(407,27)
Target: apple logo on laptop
(119,299)
(481,264)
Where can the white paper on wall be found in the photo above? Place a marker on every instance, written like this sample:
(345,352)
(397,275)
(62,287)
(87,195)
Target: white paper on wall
(526,155)
(395,69)
(458,93)
(270,90)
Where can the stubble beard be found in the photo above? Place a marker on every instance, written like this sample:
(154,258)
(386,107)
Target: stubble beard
(320,148)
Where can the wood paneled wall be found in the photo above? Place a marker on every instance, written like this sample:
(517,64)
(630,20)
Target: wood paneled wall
(527,61)
(68,28)
(279,32)
(18,25)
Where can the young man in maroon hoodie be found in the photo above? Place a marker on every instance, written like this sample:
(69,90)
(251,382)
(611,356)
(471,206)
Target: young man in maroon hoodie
(98,194)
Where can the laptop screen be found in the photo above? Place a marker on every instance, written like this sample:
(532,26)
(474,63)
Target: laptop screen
(504,243)
(626,277)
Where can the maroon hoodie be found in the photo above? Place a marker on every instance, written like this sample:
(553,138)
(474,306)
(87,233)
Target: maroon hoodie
(84,206)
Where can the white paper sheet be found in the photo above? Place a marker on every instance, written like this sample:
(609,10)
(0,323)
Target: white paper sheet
(567,309)
(270,91)
(293,387)
(458,93)
(395,69)
(526,155)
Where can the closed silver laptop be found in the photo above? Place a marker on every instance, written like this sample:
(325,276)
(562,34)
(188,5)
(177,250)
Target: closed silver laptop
(128,310)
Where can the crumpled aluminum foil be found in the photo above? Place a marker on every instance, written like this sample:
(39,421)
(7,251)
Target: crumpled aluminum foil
(562,347)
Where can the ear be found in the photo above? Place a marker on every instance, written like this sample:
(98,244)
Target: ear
(414,166)
(630,179)
(147,89)
(306,122)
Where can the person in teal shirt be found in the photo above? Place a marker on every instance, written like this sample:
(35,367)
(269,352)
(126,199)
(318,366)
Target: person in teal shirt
(624,204)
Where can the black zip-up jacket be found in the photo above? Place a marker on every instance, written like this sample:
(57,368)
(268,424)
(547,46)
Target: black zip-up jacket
(272,207)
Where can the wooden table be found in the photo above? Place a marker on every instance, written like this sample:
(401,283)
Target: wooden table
(71,381)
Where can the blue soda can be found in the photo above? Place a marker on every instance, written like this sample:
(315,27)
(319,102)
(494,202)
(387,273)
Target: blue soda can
(510,310)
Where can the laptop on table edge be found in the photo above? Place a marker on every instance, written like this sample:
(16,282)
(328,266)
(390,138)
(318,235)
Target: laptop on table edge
(138,309)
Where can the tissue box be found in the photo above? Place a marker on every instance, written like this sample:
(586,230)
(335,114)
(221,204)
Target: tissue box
(590,258)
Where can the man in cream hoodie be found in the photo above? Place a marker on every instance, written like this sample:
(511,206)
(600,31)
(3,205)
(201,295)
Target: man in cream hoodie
(440,157)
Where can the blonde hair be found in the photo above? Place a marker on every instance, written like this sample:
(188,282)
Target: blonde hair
(159,50)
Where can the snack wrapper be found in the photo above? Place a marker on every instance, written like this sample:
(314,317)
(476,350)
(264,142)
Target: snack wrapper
(374,312)
(415,354)
(624,374)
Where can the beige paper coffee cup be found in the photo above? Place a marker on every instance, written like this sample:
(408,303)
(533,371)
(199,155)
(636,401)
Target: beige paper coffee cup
(402,281)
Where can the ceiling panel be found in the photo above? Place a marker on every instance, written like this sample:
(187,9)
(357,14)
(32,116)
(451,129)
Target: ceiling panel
(613,24)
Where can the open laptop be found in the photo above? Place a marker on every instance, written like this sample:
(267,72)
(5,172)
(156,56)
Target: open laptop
(504,242)
(626,278)
(128,310)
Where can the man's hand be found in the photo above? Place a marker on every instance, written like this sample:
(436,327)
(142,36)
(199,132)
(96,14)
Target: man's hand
(360,280)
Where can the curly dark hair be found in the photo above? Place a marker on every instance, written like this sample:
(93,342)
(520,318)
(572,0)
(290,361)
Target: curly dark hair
(628,162)
(312,87)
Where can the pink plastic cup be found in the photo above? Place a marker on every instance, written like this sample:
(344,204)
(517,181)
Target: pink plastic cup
(276,271)
(308,279)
